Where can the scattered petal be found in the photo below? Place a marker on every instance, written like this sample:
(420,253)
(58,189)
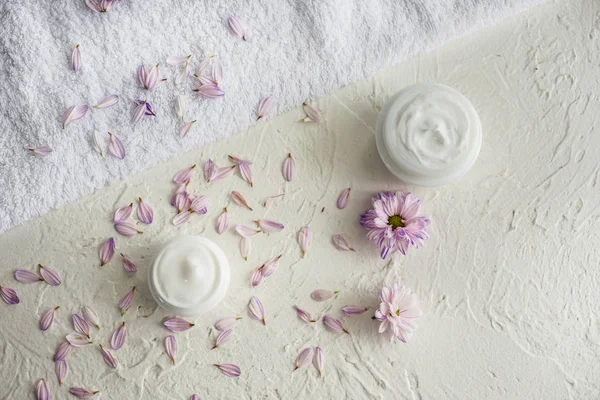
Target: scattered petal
(210,91)
(178,60)
(230,370)
(145,212)
(63,351)
(313,114)
(91,316)
(223,221)
(183,75)
(199,203)
(50,275)
(128,264)
(107,251)
(342,200)
(78,339)
(127,228)
(76,59)
(270,266)
(245,231)
(289,168)
(138,112)
(152,78)
(323,294)
(107,102)
(334,325)
(61,368)
(304,315)
(182,218)
(41,151)
(236,26)
(239,199)
(9,296)
(304,358)
(172,347)
(245,247)
(123,213)
(228,323)
(182,201)
(99,142)
(81,393)
(119,337)
(223,172)
(217,72)
(185,175)
(319,360)
(209,170)
(340,243)
(304,239)
(42,390)
(47,319)
(116,147)
(205,80)
(180,106)
(266,106)
(269,226)
(246,173)
(195,397)
(238,161)
(126,301)
(142,75)
(186,128)
(74,113)
(177,324)
(353,311)
(223,338)
(257,277)
(108,357)
(26,276)
(256,309)
(81,325)
(100,6)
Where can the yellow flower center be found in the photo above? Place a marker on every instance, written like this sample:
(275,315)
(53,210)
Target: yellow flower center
(396,221)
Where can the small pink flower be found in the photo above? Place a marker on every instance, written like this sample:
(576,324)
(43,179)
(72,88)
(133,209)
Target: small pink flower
(395,223)
(398,310)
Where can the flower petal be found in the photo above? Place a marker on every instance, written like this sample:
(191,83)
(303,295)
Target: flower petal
(177,324)
(268,226)
(230,370)
(47,319)
(126,301)
(224,337)
(236,26)
(182,218)
(61,368)
(91,316)
(138,112)
(99,142)
(127,228)
(81,325)
(76,59)
(108,357)
(304,315)
(50,275)
(342,201)
(322,294)
(26,276)
(304,239)
(186,128)
(210,91)
(107,102)
(199,203)
(171,347)
(289,168)
(341,243)
(40,151)
(73,114)
(185,175)
(42,390)
(107,251)
(223,221)
(265,106)
(313,114)
(256,309)
(63,351)
(78,339)
(81,393)
(180,106)
(223,172)
(145,212)
(245,247)
(178,60)
(239,199)
(116,147)
(334,325)
(257,277)
(228,323)
(319,360)
(353,311)
(123,213)
(119,337)
(245,231)
(9,296)
(304,358)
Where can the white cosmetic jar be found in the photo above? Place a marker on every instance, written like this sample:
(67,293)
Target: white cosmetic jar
(189,275)
(428,134)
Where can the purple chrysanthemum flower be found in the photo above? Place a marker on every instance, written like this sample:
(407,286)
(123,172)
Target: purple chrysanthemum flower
(149,110)
(398,310)
(394,222)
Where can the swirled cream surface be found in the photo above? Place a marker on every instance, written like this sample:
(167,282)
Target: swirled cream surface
(428,134)
(189,276)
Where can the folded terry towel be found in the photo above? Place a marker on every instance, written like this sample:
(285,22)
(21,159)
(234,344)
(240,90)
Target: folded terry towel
(295,49)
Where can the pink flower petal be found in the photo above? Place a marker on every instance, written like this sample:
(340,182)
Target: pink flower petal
(199,203)
(41,151)
(353,311)
(245,231)
(223,172)
(238,161)
(313,114)
(107,102)
(138,112)
(73,114)
(9,296)
(341,243)
(47,319)
(304,358)
(236,26)
(257,277)
(127,228)
(128,264)
(126,301)
(82,393)
(245,247)
(319,360)
(100,6)
(239,199)
(182,218)
(145,212)
(323,294)
(228,323)
(142,75)
(63,351)
(230,370)
(171,347)
(152,79)
(182,201)
(107,251)
(61,368)
(123,213)
(186,128)
(269,226)
(91,316)
(42,390)
(81,325)
(78,339)
(334,325)
(342,200)
(304,239)
(209,170)
(26,276)
(177,324)
(50,275)
(289,168)
(223,338)
(266,106)
(246,173)
(304,315)
(217,72)
(256,309)
(119,337)
(271,266)
(223,221)
(76,59)
(185,175)
(116,147)
(210,91)
(108,357)
(178,60)
(195,397)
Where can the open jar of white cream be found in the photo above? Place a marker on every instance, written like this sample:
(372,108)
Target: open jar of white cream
(428,134)
(189,275)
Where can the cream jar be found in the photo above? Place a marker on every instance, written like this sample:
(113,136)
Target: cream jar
(428,134)
(189,275)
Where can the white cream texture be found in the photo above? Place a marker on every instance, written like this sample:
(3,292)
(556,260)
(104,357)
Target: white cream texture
(190,275)
(508,281)
(430,134)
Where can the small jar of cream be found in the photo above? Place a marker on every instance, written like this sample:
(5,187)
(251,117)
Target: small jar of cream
(189,275)
(428,134)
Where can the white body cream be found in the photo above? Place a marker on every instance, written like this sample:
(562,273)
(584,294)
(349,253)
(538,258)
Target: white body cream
(189,276)
(428,134)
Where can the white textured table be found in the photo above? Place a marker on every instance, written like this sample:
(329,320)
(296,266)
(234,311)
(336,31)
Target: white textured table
(509,280)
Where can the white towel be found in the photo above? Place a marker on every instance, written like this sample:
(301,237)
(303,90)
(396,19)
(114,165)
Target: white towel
(296,50)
